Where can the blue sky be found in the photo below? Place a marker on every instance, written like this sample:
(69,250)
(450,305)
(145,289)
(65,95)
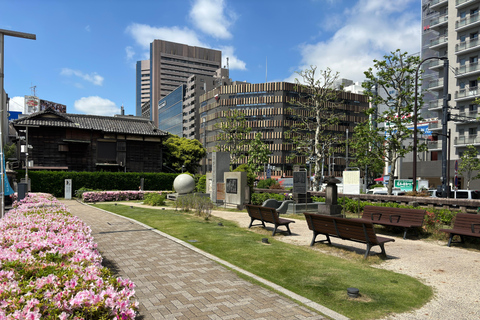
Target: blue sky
(85,52)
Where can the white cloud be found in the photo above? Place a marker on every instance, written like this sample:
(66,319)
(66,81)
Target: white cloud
(96,106)
(17,104)
(233,62)
(144,35)
(87,28)
(372,29)
(94,77)
(130,52)
(210,17)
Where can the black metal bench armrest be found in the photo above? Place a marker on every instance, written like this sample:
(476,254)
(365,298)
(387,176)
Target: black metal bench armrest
(473,227)
(395,215)
(376,214)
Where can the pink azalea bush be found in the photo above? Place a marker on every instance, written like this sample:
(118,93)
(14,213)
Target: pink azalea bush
(50,267)
(102,196)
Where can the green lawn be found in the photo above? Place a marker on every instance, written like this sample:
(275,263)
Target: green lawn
(319,277)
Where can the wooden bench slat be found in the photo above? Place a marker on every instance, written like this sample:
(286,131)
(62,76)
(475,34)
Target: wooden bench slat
(397,217)
(270,215)
(463,227)
(347,229)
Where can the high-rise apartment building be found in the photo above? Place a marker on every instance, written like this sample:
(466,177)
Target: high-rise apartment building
(171,64)
(450,28)
(142,88)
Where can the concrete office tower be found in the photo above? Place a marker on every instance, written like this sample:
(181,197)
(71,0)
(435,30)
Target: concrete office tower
(143,89)
(450,28)
(172,63)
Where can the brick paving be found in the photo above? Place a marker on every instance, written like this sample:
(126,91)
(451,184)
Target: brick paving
(174,280)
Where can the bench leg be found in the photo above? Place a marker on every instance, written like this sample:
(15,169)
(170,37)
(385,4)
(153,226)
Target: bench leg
(368,251)
(288,229)
(382,246)
(405,234)
(450,240)
(251,223)
(274,230)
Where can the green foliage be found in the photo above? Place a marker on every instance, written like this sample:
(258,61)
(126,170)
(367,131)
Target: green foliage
(469,163)
(232,131)
(10,150)
(154,199)
(79,192)
(200,183)
(259,198)
(250,175)
(374,145)
(183,152)
(312,116)
(258,154)
(53,182)
(266,183)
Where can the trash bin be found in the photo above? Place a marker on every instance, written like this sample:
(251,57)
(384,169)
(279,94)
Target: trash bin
(22,190)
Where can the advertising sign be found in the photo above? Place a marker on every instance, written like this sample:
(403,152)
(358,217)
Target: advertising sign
(403,184)
(45,104)
(32,104)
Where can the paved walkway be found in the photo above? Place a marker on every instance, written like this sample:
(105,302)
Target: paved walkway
(177,281)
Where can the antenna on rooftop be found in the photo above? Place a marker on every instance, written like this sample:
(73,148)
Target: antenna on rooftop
(227,64)
(33,88)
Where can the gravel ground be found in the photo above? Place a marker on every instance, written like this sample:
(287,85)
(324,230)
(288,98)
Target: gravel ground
(453,272)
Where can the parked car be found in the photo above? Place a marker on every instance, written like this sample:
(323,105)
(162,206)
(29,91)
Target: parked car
(384,191)
(460,194)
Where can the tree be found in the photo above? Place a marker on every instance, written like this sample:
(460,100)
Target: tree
(258,154)
(313,115)
(395,76)
(183,152)
(469,163)
(233,133)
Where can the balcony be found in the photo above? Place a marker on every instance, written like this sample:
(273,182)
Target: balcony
(467,46)
(466,94)
(435,105)
(434,145)
(438,3)
(438,42)
(466,140)
(468,70)
(435,84)
(439,21)
(435,126)
(467,22)
(463,3)
(467,117)
(435,64)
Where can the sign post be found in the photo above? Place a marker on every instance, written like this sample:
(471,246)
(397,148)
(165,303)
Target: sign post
(68,189)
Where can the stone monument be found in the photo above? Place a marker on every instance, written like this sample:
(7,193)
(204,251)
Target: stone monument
(183,184)
(331,206)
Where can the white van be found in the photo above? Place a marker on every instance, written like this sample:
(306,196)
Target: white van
(460,194)
(384,191)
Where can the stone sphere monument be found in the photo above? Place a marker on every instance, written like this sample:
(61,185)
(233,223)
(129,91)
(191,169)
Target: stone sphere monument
(184,183)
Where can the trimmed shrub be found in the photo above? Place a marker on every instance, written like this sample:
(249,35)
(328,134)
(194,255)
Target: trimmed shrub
(154,199)
(259,198)
(53,182)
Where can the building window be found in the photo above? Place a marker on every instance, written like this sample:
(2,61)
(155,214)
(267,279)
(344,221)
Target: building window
(472,131)
(461,132)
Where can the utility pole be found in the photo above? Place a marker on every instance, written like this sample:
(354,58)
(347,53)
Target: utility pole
(3,112)
(445,116)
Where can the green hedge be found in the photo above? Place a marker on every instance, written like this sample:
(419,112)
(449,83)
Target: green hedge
(53,182)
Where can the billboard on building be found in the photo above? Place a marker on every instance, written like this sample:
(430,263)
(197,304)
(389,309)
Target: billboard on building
(44,104)
(32,104)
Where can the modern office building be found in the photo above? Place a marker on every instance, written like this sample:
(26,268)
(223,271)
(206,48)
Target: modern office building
(268,110)
(170,111)
(450,28)
(171,64)
(143,89)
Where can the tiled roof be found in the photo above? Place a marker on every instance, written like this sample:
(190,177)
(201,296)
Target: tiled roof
(120,124)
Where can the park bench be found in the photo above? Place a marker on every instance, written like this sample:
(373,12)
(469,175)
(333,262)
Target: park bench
(466,224)
(346,229)
(395,217)
(269,215)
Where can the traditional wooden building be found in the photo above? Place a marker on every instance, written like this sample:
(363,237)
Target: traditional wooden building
(77,142)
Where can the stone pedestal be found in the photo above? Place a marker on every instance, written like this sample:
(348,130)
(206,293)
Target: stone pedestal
(331,206)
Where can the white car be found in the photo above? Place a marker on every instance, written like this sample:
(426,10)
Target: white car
(460,194)
(384,191)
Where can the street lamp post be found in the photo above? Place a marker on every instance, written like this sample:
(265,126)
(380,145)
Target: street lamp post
(3,112)
(415,113)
